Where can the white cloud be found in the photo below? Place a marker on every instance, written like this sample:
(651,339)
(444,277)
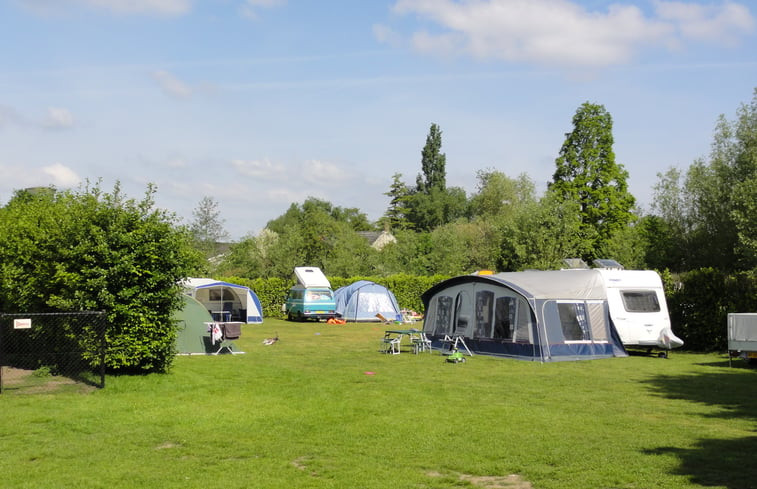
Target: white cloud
(324,173)
(384,33)
(282,195)
(61,175)
(171,85)
(58,118)
(122,7)
(723,23)
(261,169)
(250,8)
(163,7)
(562,32)
(16,177)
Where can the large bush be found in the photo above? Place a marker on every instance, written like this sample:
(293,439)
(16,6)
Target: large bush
(92,250)
(700,302)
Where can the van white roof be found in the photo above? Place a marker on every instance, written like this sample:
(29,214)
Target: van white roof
(311,277)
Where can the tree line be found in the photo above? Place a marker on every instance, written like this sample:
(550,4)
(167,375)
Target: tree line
(703,216)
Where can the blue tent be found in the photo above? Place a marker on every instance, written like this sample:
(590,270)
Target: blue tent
(362,300)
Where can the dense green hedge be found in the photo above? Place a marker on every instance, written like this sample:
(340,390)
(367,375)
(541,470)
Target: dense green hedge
(407,289)
(699,303)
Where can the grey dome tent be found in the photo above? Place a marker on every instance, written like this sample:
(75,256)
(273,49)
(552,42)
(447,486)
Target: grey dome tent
(362,300)
(541,316)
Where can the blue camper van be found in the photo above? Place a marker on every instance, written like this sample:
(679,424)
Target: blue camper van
(311,298)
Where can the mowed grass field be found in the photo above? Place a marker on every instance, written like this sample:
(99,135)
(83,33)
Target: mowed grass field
(322,408)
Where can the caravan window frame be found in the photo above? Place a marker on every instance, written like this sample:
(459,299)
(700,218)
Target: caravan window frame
(632,305)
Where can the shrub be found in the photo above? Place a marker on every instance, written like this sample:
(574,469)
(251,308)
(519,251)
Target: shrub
(700,303)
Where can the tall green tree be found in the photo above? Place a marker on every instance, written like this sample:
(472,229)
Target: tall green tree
(587,173)
(396,213)
(431,203)
(433,163)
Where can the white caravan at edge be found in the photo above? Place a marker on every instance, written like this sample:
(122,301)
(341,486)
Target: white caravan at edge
(638,309)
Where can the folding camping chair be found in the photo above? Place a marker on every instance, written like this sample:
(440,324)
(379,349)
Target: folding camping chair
(230,331)
(391,344)
(421,343)
(454,340)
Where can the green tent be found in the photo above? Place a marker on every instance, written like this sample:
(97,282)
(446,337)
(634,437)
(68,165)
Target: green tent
(193,335)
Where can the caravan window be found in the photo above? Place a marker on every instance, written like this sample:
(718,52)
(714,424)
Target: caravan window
(640,300)
(504,318)
(575,326)
(484,306)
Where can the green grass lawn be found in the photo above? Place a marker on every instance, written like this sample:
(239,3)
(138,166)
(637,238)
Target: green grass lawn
(307,412)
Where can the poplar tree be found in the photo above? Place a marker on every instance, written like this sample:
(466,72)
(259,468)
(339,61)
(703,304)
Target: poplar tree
(432,204)
(433,163)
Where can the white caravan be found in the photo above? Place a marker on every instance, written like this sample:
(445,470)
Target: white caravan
(638,308)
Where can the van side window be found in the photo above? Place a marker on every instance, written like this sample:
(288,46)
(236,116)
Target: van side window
(640,300)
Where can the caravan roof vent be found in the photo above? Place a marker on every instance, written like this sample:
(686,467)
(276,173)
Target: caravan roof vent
(575,263)
(605,263)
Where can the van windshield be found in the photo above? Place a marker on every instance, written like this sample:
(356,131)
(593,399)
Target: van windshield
(319,295)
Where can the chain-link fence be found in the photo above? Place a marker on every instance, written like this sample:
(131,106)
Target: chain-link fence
(45,352)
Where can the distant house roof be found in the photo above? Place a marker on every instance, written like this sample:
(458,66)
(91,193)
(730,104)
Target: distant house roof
(378,240)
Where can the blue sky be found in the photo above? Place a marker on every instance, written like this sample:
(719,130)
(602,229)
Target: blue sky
(262,103)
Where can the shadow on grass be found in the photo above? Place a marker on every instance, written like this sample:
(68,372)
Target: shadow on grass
(729,462)
(721,463)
